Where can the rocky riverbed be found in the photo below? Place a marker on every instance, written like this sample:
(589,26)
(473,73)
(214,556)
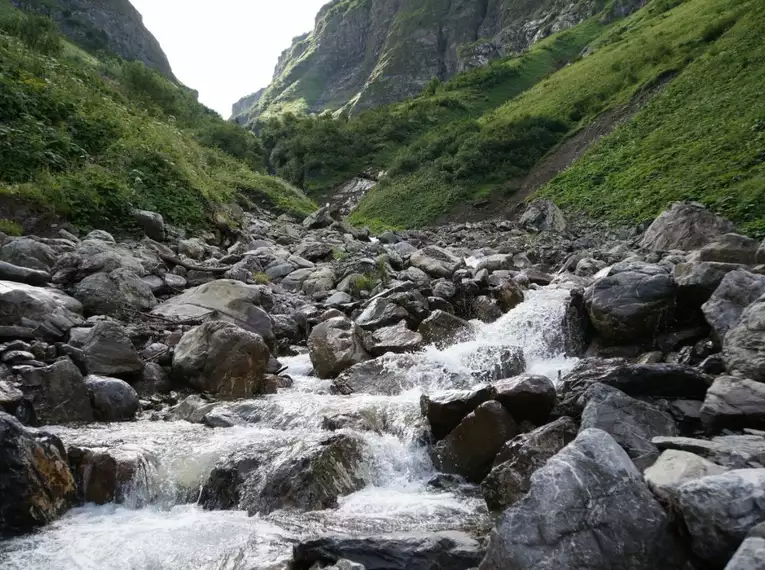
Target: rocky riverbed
(536,394)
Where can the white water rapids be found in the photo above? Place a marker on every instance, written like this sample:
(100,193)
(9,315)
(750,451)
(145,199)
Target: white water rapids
(158,529)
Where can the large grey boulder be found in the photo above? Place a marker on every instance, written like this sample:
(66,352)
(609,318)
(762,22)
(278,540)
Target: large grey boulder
(113,400)
(29,253)
(381,312)
(38,311)
(108,351)
(152,224)
(632,304)
(57,392)
(697,281)
(445,410)
(114,293)
(684,226)
(335,345)
(36,485)
(10,272)
(97,255)
(751,554)
(397,339)
(469,450)
(675,467)
(510,477)
(719,511)
(734,403)
(445,550)
(543,215)
(527,397)
(225,300)
(321,218)
(731,451)
(736,292)
(442,328)
(386,375)
(632,423)
(436,261)
(588,508)
(107,475)
(744,344)
(222,358)
(730,248)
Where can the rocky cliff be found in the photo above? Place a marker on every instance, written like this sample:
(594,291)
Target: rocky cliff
(104,26)
(364,53)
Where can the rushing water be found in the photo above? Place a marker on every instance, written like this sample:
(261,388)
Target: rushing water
(157,527)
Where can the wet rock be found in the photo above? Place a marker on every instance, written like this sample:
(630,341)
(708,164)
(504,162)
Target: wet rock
(397,338)
(732,451)
(109,475)
(509,295)
(684,226)
(442,329)
(28,253)
(57,392)
(225,300)
(734,403)
(543,215)
(221,358)
(697,281)
(335,345)
(486,309)
(527,397)
(736,292)
(10,397)
(587,508)
(154,380)
(577,331)
(744,343)
(113,400)
(436,261)
(510,477)
(10,272)
(632,305)
(152,224)
(446,550)
(469,450)
(445,410)
(42,312)
(108,351)
(632,423)
(381,312)
(719,511)
(675,467)
(730,248)
(751,554)
(113,293)
(36,485)
(495,362)
(386,375)
(194,409)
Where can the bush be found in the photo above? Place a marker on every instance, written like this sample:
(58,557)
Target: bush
(37,32)
(11,227)
(261,278)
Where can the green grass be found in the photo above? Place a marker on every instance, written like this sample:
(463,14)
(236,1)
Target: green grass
(11,227)
(91,139)
(702,138)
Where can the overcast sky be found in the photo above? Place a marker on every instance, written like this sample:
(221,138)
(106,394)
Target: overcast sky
(226,49)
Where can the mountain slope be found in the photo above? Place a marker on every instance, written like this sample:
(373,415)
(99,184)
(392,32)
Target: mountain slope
(365,53)
(87,141)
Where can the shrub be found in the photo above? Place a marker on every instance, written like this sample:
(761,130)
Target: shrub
(11,227)
(261,278)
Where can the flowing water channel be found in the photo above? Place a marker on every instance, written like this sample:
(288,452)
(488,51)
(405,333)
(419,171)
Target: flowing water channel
(159,527)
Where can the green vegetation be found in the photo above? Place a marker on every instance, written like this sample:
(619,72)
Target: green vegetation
(90,139)
(702,138)
(364,282)
(11,228)
(261,278)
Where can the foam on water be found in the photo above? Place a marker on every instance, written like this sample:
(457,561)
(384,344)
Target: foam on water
(180,455)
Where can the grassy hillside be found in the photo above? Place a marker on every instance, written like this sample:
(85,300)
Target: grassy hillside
(480,134)
(89,140)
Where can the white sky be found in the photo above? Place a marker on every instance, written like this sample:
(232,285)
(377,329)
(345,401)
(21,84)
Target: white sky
(226,49)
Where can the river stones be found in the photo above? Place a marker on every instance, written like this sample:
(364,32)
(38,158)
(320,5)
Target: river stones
(335,345)
(684,226)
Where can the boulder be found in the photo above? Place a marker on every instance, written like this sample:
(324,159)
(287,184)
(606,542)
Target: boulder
(632,305)
(632,423)
(734,403)
(744,343)
(509,295)
(335,345)
(732,451)
(527,397)
(684,226)
(510,477)
(751,554)
(57,392)
(102,256)
(445,550)
(486,309)
(496,362)
(42,312)
(436,261)
(225,300)
(313,250)
(543,216)
(108,475)
(152,224)
(113,400)
(108,351)
(381,312)
(719,511)
(469,450)
(310,478)
(321,218)
(193,248)
(697,281)
(222,358)
(442,329)
(445,410)
(386,375)
(674,467)
(101,235)
(193,409)
(113,293)
(736,292)
(577,331)
(320,281)
(730,248)
(245,269)
(36,485)
(397,338)
(587,508)
(10,272)
(28,253)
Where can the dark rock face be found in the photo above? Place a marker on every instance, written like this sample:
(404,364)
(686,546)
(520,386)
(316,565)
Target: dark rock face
(736,292)
(632,304)
(113,400)
(58,392)
(751,553)
(734,403)
(588,508)
(335,345)
(113,293)
(397,339)
(445,410)
(470,449)
(520,457)
(36,485)
(109,352)
(442,329)
(744,344)
(730,248)
(543,216)
(685,226)
(385,375)
(696,281)
(106,475)
(527,397)
(405,551)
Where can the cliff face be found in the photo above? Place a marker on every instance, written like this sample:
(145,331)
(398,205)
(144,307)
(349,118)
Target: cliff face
(364,53)
(104,25)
